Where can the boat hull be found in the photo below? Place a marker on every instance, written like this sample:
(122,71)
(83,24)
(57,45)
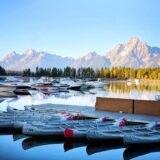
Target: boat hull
(140,139)
(5,88)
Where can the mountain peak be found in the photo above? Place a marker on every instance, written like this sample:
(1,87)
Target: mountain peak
(135,41)
(135,52)
(90,55)
(29,52)
(13,53)
(10,55)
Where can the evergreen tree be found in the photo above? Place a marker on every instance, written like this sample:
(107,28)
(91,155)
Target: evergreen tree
(2,71)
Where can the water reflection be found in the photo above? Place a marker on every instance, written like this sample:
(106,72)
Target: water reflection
(79,149)
(124,88)
(21,147)
(144,90)
(31,142)
(137,151)
(93,148)
(87,98)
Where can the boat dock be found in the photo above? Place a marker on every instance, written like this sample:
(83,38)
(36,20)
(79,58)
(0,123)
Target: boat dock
(90,111)
(115,115)
(91,123)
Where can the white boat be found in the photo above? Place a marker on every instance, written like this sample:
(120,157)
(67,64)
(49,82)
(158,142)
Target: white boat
(96,84)
(12,79)
(7,94)
(7,87)
(76,85)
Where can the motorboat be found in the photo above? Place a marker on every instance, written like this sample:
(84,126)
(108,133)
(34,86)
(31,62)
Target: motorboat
(43,86)
(21,92)
(96,84)
(5,94)
(5,87)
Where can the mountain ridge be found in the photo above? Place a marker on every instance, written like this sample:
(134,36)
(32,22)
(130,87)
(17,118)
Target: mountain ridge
(134,53)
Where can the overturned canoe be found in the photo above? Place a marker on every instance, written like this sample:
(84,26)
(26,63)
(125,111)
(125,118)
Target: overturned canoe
(6,124)
(121,132)
(47,122)
(97,132)
(42,131)
(59,127)
(50,130)
(151,138)
(19,123)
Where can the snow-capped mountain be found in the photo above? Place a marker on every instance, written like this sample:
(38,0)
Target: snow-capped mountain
(135,53)
(31,59)
(9,59)
(92,60)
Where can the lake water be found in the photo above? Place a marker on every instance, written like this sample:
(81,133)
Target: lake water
(12,148)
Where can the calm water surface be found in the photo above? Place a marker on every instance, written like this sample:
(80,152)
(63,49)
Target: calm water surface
(16,147)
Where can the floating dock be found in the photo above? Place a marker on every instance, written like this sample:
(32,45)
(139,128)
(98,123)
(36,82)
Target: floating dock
(109,119)
(95,112)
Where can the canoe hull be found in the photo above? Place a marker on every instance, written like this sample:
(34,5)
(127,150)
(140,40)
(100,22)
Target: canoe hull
(138,139)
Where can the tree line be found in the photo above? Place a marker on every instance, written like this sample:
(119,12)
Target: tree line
(66,72)
(120,73)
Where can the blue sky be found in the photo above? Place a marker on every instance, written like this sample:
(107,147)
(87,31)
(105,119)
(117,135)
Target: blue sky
(75,27)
